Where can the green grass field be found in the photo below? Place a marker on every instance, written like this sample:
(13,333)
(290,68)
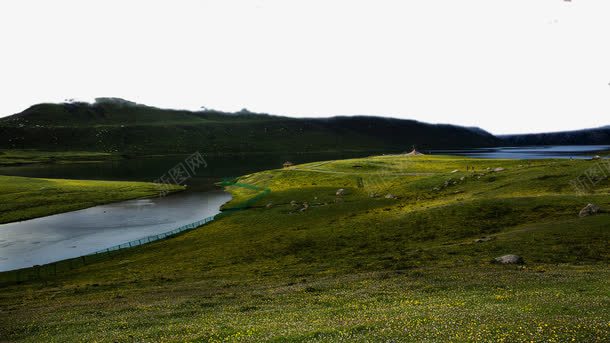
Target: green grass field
(364,266)
(10,157)
(25,198)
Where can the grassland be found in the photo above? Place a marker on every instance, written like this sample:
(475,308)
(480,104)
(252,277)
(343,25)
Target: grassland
(25,198)
(393,259)
(10,157)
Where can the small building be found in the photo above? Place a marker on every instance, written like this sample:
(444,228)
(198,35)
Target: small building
(288,164)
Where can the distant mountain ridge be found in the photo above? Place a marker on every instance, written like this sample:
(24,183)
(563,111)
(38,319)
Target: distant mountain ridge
(117,125)
(595,136)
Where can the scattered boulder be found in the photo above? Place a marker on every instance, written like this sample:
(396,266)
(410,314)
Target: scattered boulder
(596,157)
(483,239)
(340,192)
(462,178)
(509,259)
(293,203)
(373,195)
(589,210)
(499,169)
(305,207)
(390,196)
(454,171)
(269,205)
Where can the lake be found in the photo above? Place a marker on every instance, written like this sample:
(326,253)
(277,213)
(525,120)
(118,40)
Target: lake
(529,152)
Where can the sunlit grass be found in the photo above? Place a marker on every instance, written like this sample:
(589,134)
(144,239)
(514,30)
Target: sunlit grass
(25,198)
(10,157)
(359,267)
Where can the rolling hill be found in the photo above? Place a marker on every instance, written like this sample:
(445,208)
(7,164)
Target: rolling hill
(116,125)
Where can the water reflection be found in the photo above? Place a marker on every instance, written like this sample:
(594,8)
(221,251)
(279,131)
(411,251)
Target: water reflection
(533,152)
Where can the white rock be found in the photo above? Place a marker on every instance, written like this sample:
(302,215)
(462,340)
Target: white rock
(509,259)
(589,210)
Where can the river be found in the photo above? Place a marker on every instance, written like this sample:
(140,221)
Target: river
(72,234)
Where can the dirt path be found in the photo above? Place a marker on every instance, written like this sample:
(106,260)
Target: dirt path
(359,173)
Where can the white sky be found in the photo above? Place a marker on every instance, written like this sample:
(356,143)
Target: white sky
(507,66)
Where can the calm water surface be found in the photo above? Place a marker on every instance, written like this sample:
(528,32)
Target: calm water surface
(72,234)
(532,152)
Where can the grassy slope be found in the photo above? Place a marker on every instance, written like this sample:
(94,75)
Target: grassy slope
(364,268)
(25,198)
(16,157)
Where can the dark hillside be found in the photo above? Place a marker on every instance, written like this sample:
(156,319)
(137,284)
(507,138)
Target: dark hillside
(598,136)
(116,125)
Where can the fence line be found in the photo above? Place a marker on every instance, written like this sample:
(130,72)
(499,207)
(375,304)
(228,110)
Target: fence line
(50,270)
(152,238)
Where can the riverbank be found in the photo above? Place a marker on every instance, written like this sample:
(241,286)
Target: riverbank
(395,255)
(26,198)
